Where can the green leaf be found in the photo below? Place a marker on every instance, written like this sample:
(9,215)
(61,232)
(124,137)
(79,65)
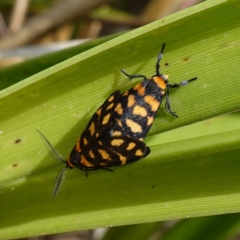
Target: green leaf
(220,227)
(18,72)
(183,178)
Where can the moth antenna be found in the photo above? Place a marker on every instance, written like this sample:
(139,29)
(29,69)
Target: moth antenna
(159,58)
(59,181)
(55,152)
(61,175)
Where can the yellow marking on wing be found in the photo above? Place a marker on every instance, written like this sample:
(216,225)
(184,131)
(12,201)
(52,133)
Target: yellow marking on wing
(122,158)
(85,162)
(92,128)
(117,142)
(139,153)
(119,122)
(98,112)
(138,110)
(160,82)
(125,94)
(131,146)
(119,109)
(111,99)
(110,106)
(91,154)
(117,133)
(104,154)
(135,127)
(77,147)
(141,90)
(131,100)
(69,163)
(85,141)
(149,120)
(106,118)
(154,103)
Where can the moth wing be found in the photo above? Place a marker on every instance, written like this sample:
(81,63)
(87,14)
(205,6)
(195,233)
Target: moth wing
(101,120)
(119,150)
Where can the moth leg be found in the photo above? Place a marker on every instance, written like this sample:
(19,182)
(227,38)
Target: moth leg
(175,85)
(86,172)
(107,169)
(185,82)
(134,75)
(168,107)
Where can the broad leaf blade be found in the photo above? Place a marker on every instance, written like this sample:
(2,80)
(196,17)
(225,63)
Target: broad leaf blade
(178,179)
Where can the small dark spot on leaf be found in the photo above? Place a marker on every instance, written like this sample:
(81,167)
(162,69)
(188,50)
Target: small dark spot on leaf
(18,140)
(186,58)
(166,64)
(153,187)
(15,165)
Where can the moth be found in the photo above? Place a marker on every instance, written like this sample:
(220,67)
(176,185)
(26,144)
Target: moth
(115,133)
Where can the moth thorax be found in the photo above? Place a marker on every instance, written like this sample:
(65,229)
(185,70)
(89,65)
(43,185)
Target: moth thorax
(161,81)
